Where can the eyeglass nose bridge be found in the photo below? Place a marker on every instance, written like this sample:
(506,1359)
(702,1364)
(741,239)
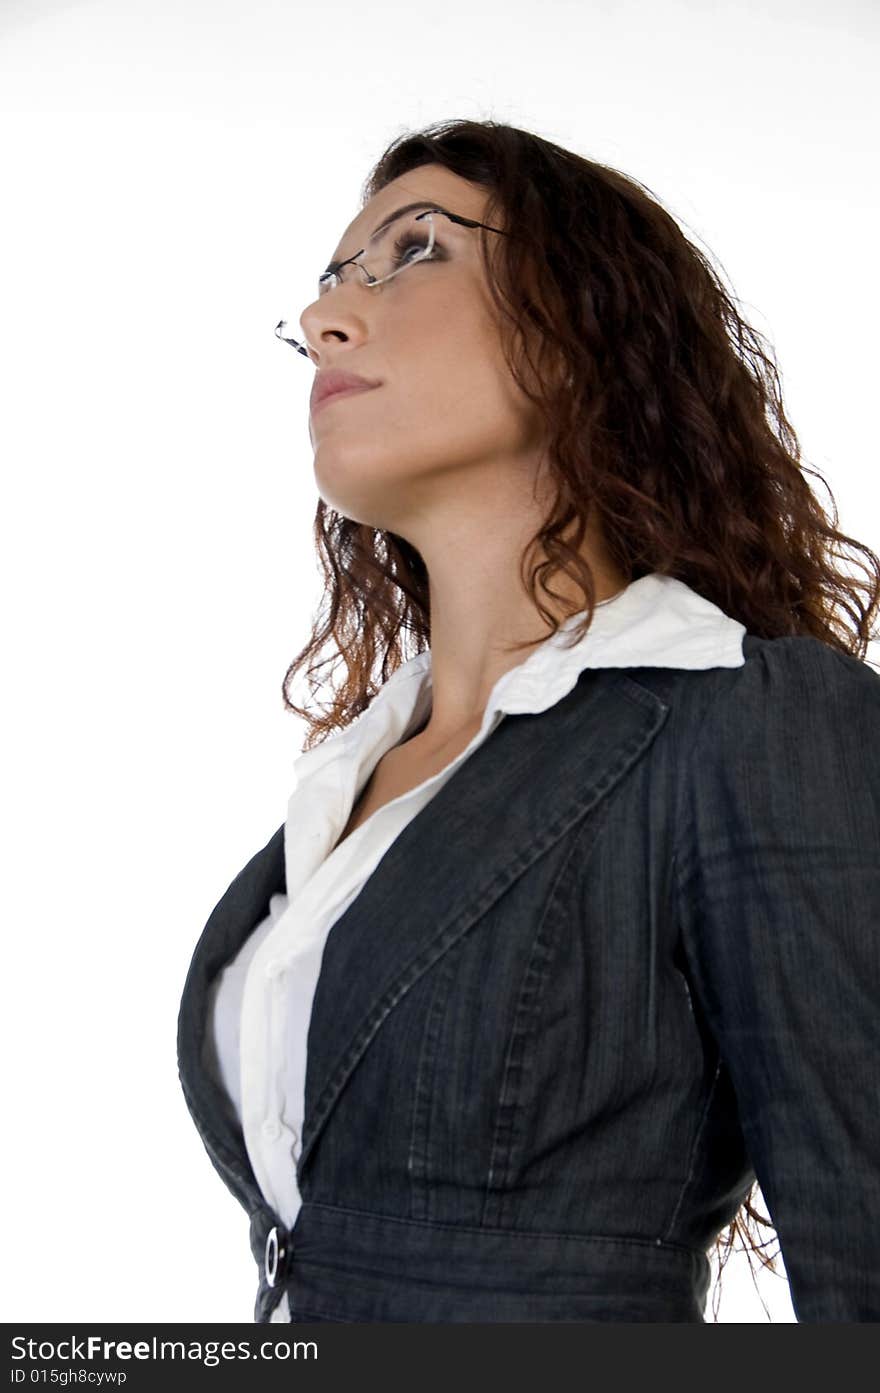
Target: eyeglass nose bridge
(368,280)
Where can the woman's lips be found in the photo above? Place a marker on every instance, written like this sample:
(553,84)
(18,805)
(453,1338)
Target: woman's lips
(345,392)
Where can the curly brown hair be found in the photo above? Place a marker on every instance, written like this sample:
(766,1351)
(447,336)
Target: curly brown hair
(665,418)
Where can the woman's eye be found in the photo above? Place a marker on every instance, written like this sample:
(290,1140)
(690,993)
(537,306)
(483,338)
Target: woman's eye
(406,243)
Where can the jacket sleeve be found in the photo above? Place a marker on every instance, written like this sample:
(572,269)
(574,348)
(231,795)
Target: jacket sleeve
(777,865)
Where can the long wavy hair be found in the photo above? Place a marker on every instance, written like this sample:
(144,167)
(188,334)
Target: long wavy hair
(665,420)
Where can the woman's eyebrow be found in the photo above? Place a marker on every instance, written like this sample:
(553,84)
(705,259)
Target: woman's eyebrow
(418,205)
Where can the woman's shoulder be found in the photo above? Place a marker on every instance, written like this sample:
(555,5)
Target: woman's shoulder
(797,674)
(793,653)
(796,704)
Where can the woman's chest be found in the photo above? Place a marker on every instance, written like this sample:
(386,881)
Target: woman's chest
(494,998)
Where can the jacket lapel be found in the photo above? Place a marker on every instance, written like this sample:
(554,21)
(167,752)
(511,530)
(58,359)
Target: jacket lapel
(515,796)
(508,803)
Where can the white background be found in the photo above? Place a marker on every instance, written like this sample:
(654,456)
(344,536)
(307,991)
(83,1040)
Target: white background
(171,170)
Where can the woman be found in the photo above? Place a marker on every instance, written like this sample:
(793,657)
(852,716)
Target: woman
(600,857)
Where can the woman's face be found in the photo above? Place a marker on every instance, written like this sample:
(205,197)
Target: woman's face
(447,417)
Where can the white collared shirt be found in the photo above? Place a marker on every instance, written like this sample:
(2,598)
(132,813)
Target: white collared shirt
(260,1005)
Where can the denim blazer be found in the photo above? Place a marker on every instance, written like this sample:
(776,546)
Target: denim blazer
(626,960)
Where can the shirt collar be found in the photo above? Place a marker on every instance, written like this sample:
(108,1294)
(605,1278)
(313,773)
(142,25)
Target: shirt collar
(655,621)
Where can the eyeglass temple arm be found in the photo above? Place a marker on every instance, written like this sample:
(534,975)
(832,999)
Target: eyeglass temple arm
(467,222)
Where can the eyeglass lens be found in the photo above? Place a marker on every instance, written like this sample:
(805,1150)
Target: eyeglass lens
(401,245)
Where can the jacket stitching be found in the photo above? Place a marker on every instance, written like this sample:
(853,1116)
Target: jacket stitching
(342,1214)
(423,1090)
(531,995)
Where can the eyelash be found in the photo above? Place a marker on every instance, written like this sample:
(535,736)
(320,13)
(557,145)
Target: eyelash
(406,240)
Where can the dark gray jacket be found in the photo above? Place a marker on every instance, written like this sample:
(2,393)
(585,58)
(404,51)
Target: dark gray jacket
(625,960)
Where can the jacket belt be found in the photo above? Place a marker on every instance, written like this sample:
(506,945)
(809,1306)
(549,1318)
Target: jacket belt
(352,1265)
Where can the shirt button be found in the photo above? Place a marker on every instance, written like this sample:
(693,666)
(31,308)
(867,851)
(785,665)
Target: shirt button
(274,968)
(271,1129)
